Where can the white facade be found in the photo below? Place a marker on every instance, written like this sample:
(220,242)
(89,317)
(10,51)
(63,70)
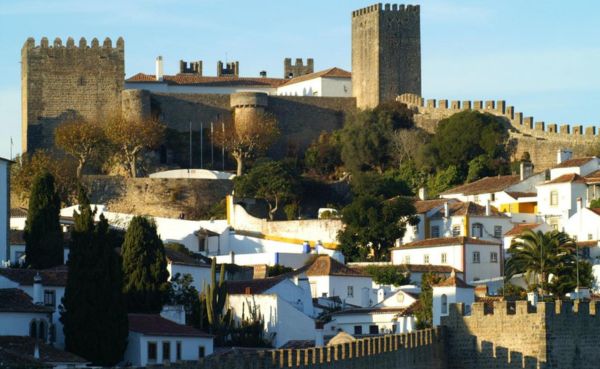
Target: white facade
(292,260)
(190,347)
(17,324)
(591,165)
(4,208)
(584,225)
(371,321)
(162,87)
(200,274)
(354,290)
(446,295)
(557,202)
(193,173)
(320,86)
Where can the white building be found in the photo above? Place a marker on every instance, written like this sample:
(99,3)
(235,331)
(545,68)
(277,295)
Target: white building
(520,228)
(284,302)
(4,207)
(453,218)
(584,225)
(179,263)
(27,352)
(332,82)
(372,321)
(49,291)
(328,278)
(20,315)
(475,258)
(452,290)
(157,340)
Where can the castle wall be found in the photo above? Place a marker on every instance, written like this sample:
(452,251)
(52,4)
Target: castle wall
(541,140)
(60,82)
(549,335)
(386,53)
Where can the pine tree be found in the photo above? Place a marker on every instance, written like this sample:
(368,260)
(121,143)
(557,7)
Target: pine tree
(43,234)
(93,309)
(144,267)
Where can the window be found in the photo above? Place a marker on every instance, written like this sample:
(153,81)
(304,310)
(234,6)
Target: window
(476,257)
(426,259)
(493,257)
(152,351)
(358,329)
(201,352)
(476,198)
(49,297)
(477,230)
(166,346)
(373,329)
(444,304)
(574,238)
(554,225)
(493,197)
(455,231)
(435,231)
(590,237)
(38,329)
(416,228)
(497,231)
(407,259)
(444,258)
(554,198)
(350,291)
(178,351)
(324,294)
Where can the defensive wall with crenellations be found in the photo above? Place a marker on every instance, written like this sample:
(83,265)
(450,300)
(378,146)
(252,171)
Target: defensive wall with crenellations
(541,140)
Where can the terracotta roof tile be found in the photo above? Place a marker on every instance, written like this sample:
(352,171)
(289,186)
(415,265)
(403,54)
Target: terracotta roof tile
(16,300)
(423,206)
(56,276)
(518,195)
(520,228)
(460,208)
(445,241)
(402,311)
(576,162)
(155,325)
(454,281)
(567,178)
(252,286)
(327,266)
(586,244)
(595,210)
(18,213)
(23,347)
(16,237)
(176,257)
(190,79)
(327,73)
(593,177)
(484,185)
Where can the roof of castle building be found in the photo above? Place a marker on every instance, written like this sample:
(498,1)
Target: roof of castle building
(327,73)
(156,325)
(484,185)
(212,81)
(56,276)
(16,300)
(20,349)
(445,241)
(576,162)
(470,208)
(566,178)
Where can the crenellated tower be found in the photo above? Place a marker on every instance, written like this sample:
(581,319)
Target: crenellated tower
(386,53)
(61,82)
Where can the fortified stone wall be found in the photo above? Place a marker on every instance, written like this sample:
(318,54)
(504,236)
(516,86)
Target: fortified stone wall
(157,197)
(386,53)
(549,335)
(63,82)
(541,140)
(417,350)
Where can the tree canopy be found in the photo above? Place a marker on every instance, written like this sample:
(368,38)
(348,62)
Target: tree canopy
(43,233)
(81,139)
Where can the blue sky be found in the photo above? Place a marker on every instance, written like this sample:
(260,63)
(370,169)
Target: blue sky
(540,56)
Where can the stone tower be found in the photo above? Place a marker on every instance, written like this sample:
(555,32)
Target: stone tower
(64,82)
(386,53)
(298,68)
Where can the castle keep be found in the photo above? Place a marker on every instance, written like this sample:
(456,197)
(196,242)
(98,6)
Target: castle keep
(386,53)
(61,82)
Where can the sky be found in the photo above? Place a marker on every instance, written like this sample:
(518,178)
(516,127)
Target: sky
(543,57)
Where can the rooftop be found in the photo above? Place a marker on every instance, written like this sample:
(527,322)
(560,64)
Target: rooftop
(423,206)
(567,178)
(17,301)
(177,257)
(155,325)
(197,80)
(485,185)
(327,73)
(19,349)
(520,228)
(459,208)
(56,276)
(252,286)
(576,162)
(402,311)
(445,241)
(453,281)
(327,266)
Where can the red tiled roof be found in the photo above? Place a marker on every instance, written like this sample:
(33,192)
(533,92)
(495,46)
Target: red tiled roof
(577,162)
(423,206)
(252,286)
(567,178)
(191,79)
(402,311)
(454,281)
(518,195)
(591,243)
(155,325)
(16,237)
(593,177)
(56,276)
(176,257)
(445,241)
(327,73)
(595,210)
(484,185)
(413,268)
(16,300)
(520,228)
(23,347)
(18,213)
(327,266)
(460,208)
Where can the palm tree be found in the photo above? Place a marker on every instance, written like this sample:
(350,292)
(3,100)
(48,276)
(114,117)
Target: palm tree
(538,254)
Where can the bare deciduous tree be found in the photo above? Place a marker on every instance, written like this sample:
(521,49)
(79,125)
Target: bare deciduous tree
(82,140)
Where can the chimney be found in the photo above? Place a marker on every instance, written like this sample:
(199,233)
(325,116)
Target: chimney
(532,298)
(159,68)
(422,193)
(263,73)
(488,208)
(525,170)
(579,204)
(319,341)
(38,294)
(174,313)
(563,155)
(446,210)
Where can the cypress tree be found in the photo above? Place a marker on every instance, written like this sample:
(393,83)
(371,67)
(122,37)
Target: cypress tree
(93,311)
(43,233)
(144,267)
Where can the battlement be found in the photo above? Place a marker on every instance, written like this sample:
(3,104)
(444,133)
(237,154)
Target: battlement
(387,8)
(231,69)
(544,310)
(298,68)
(402,349)
(194,67)
(70,44)
(524,124)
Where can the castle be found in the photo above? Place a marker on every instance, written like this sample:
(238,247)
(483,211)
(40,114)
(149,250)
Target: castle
(60,82)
